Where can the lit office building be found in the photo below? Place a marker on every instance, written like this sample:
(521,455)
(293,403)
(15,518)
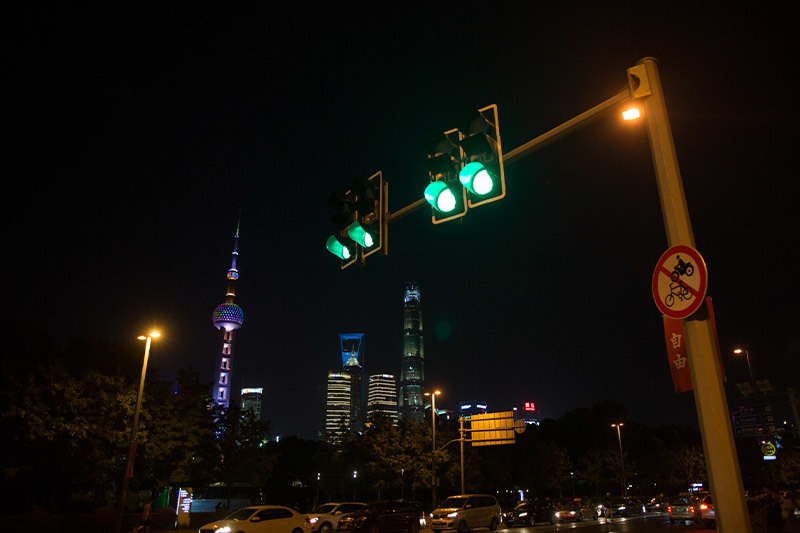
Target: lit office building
(351,347)
(337,416)
(382,396)
(412,373)
(472,408)
(251,401)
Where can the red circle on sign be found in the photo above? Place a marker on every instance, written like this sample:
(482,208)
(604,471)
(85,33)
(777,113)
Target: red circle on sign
(680,281)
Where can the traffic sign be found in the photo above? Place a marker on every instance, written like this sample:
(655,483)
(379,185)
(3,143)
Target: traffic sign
(768,448)
(680,280)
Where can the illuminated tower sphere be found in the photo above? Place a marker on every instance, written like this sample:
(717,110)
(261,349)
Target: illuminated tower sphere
(227,317)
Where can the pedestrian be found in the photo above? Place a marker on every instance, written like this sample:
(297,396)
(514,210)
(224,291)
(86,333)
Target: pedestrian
(145,527)
(609,508)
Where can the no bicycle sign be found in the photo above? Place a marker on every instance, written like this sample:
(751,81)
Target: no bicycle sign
(680,281)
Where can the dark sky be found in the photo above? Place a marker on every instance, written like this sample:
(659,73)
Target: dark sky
(138,135)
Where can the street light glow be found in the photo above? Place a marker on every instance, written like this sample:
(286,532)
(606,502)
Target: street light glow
(737,350)
(631,114)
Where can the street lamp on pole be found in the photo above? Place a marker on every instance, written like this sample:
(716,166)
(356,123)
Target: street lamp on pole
(433,440)
(355,475)
(128,473)
(621,461)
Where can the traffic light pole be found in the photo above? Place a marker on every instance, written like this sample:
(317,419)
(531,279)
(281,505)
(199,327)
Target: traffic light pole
(712,406)
(644,86)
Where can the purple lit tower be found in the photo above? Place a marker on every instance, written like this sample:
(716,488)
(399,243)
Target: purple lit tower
(228,317)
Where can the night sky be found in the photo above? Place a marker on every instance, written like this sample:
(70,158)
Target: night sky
(137,135)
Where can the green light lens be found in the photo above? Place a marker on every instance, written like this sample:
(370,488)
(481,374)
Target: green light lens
(337,248)
(363,237)
(476,178)
(439,195)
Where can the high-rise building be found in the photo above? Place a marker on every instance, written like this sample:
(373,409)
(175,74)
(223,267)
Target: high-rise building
(351,347)
(412,371)
(337,415)
(382,396)
(472,408)
(227,317)
(251,401)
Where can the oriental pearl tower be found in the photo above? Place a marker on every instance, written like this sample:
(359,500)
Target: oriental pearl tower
(227,318)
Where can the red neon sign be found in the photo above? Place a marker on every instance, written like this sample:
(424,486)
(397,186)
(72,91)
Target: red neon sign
(529,406)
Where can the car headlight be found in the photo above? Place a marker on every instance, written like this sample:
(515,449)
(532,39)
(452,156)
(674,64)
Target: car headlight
(313,520)
(452,515)
(621,508)
(224,529)
(523,514)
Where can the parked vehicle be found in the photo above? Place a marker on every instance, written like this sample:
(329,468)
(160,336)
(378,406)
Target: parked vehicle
(707,512)
(627,507)
(465,512)
(569,511)
(384,516)
(681,509)
(529,513)
(261,519)
(325,518)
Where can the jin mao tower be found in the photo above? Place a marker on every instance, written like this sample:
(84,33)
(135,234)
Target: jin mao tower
(412,372)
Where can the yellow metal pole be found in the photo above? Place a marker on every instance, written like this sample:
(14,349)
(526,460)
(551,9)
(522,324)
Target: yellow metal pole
(712,407)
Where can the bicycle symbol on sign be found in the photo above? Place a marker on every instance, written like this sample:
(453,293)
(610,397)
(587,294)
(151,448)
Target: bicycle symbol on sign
(678,290)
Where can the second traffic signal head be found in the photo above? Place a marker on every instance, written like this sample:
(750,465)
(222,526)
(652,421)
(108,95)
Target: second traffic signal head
(482,174)
(444,193)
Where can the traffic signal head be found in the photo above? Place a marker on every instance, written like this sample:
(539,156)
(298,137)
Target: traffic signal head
(340,248)
(444,192)
(359,215)
(482,174)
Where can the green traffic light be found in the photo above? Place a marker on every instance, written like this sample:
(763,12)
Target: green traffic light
(476,178)
(338,249)
(439,195)
(363,237)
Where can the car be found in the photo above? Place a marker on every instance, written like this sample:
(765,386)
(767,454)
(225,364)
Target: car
(569,511)
(707,513)
(681,509)
(260,519)
(626,507)
(384,516)
(465,512)
(529,513)
(658,504)
(325,518)
(588,508)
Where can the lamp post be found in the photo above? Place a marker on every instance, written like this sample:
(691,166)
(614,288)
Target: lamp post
(128,473)
(355,475)
(621,461)
(756,390)
(433,440)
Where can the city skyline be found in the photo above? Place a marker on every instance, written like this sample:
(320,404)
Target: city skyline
(140,138)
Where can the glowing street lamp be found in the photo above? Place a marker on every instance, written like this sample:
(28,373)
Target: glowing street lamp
(128,473)
(631,113)
(621,461)
(433,440)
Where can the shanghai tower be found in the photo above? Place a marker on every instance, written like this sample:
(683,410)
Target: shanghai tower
(412,372)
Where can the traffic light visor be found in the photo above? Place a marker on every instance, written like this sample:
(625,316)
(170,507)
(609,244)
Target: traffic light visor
(338,249)
(361,235)
(439,195)
(476,178)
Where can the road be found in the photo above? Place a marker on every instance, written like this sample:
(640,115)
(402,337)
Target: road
(637,524)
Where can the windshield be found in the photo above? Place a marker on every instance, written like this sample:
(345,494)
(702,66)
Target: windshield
(242,514)
(453,503)
(325,509)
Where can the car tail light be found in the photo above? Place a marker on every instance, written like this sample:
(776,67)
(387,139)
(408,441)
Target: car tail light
(691,508)
(669,509)
(703,506)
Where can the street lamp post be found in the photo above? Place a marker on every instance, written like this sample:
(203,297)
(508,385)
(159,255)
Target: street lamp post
(355,475)
(756,390)
(433,440)
(621,461)
(128,473)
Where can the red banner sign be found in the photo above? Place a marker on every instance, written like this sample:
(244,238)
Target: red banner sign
(677,354)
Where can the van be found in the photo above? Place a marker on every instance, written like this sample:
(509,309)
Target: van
(465,512)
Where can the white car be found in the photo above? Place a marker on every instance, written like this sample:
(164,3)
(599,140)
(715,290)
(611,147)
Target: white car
(260,519)
(326,517)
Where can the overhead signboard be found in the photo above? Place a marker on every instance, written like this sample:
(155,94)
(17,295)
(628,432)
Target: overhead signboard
(680,280)
(492,429)
(753,420)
